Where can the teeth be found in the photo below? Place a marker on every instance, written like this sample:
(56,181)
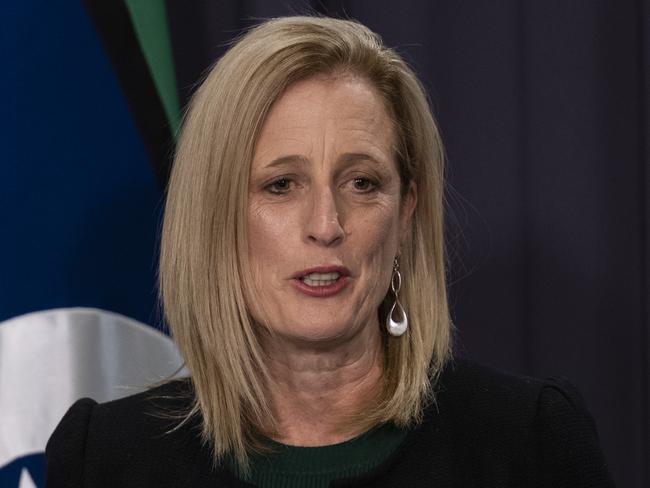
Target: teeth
(320,279)
(309,282)
(322,276)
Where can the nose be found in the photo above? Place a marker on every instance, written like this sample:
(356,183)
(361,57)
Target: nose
(322,223)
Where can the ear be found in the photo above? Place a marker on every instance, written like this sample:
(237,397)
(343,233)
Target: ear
(409,202)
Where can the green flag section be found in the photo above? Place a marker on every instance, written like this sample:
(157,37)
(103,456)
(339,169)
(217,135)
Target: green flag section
(114,26)
(150,24)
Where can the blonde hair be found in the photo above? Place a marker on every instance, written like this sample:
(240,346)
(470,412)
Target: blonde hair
(204,273)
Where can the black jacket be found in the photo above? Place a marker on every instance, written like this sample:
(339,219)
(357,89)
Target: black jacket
(487,429)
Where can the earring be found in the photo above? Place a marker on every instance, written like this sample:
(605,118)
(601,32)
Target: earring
(399,327)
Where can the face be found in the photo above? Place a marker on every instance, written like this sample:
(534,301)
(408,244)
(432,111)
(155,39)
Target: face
(326,217)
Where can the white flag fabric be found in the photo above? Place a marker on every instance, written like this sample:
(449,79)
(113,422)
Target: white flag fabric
(26,480)
(50,359)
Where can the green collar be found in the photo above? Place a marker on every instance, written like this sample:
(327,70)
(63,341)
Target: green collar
(291,466)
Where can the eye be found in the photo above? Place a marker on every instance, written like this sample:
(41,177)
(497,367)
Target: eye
(279,186)
(363,185)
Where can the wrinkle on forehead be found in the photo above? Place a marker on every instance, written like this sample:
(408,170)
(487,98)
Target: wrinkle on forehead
(309,120)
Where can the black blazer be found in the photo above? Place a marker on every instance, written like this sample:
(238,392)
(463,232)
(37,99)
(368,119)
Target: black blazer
(487,429)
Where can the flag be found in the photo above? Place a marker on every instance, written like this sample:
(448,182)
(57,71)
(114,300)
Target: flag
(90,110)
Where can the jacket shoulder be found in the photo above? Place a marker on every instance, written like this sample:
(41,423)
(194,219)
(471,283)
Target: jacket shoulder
(134,441)
(519,425)
(492,399)
(65,449)
(567,438)
(154,408)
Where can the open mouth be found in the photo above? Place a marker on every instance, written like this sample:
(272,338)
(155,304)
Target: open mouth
(320,279)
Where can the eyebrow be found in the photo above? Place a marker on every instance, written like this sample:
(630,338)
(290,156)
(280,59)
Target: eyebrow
(354,157)
(344,158)
(285,160)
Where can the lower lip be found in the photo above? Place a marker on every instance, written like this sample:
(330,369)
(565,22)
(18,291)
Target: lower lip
(321,291)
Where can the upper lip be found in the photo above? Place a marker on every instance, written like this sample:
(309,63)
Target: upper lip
(341,270)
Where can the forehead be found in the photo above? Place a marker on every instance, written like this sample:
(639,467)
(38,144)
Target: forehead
(340,109)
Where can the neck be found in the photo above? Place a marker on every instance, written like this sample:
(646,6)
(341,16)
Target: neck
(314,388)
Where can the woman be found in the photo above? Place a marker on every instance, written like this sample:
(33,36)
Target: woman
(303,278)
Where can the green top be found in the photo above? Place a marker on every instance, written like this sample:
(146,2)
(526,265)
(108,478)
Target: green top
(315,467)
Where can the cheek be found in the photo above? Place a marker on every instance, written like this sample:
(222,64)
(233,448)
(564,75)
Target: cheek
(265,231)
(377,242)
(266,258)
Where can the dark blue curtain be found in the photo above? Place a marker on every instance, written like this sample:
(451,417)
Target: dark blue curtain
(544,109)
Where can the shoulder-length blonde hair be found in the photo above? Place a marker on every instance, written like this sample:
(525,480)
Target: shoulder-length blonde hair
(204,273)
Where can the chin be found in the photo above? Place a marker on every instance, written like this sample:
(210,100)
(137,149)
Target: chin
(318,334)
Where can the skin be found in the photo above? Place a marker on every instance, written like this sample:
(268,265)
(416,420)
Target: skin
(324,190)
